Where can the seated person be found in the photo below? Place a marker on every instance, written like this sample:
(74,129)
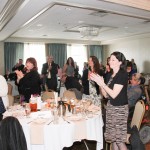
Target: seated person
(11,135)
(134,90)
(71,82)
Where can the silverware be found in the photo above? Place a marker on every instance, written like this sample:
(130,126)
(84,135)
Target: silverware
(50,122)
(66,120)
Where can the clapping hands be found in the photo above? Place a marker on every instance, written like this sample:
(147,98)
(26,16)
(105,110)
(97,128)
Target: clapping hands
(19,74)
(97,78)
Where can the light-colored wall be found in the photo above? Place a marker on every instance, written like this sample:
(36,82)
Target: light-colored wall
(139,49)
(1,58)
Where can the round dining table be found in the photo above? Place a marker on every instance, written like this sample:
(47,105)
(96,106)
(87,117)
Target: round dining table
(43,133)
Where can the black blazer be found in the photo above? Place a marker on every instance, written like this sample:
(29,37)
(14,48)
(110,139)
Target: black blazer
(53,71)
(30,84)
(85,82)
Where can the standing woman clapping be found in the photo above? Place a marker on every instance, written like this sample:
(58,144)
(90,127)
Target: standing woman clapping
(117,107)
(29,83)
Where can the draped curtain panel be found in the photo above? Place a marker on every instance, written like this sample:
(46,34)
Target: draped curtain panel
(96,50)
(12,53)
(59,53)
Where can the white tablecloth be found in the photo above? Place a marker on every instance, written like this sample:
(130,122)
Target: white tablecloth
(57,136)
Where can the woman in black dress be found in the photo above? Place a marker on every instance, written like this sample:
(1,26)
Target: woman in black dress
(29,83)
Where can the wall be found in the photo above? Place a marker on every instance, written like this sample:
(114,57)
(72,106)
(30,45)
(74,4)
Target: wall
(1,58)
(139,49)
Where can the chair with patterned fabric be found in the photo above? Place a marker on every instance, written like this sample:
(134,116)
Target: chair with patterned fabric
(10,88)
(69,94)
(47,95)
(11,100)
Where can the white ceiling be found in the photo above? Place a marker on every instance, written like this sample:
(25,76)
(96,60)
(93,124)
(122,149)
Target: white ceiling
(51,19)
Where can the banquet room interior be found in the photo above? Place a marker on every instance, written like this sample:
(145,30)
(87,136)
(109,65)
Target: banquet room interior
(112,25)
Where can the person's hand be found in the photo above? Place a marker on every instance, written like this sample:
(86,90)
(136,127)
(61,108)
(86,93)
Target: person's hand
(17,65)
(19,74)
(98,79)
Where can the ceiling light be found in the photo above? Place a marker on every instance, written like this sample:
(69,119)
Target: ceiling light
(89,31)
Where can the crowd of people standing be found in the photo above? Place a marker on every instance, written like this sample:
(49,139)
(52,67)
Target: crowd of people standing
(112,83)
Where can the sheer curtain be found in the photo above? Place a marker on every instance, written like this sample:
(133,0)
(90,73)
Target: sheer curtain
(79,54)
(36,50)
(12,53)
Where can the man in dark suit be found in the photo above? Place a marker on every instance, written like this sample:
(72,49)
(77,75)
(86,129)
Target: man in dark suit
(49,73)
(19,66)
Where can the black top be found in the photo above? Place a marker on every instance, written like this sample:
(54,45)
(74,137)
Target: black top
(53,70)
(72,82)
(30,84)
(120,78)
(85,82)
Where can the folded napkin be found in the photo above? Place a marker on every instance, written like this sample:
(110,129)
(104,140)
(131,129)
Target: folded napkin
(93,108)
(37,131)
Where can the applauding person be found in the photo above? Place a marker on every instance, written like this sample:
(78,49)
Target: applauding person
(29,83)
(117,107)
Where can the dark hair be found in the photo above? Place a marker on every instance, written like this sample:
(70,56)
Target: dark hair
(120,58)
(32,61)
(11,135)
(72,61)
(96,66)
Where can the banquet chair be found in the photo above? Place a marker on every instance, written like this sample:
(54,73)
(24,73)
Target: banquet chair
(11,100)
(47,95)
(10,88)
(138,115)
(69,94)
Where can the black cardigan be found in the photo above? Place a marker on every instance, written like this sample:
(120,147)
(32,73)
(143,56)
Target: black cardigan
(30,84)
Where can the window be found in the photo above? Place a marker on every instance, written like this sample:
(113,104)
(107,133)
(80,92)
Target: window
(37,51)
(79,54)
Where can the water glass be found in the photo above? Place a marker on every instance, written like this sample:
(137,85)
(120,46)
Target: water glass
(27,110)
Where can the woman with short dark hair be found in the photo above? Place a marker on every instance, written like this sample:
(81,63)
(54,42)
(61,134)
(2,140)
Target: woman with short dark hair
(11,135)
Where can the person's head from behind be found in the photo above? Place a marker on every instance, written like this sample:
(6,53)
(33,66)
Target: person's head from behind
(31,64)
(11,135)
(137,79)
(94,64)
(117,60)
(50,59)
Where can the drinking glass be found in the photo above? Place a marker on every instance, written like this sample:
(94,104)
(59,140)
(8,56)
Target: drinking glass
(27,109)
